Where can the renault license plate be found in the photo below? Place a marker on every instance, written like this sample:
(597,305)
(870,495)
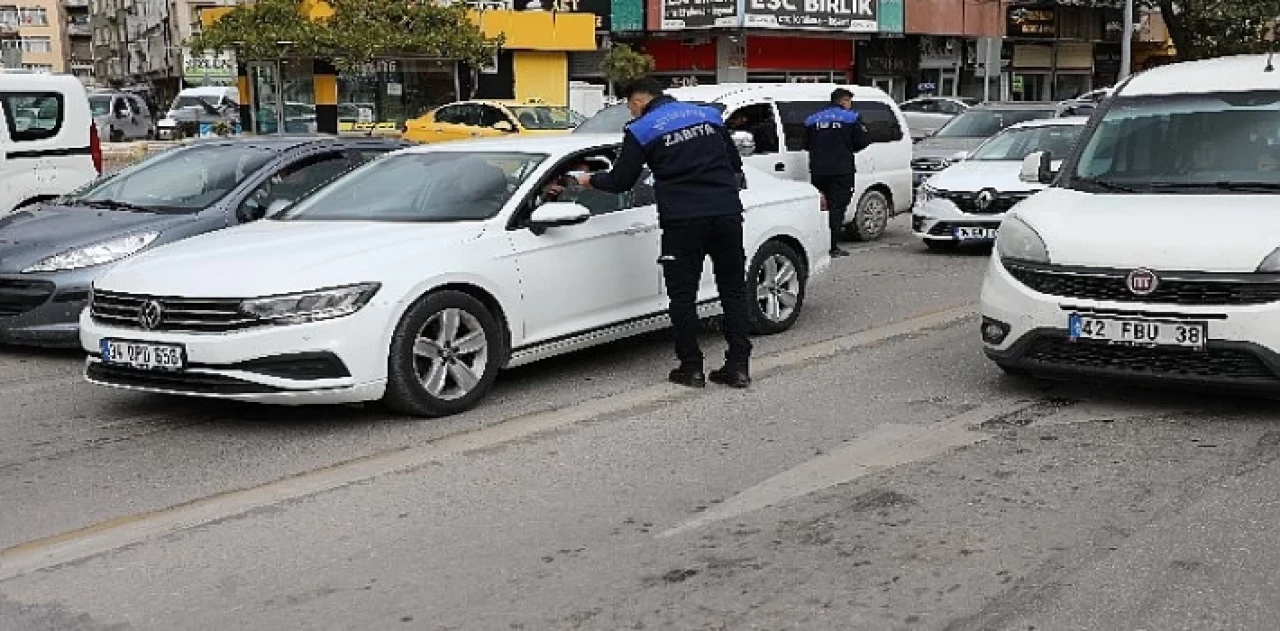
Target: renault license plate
(144,355)
(976,234)
(1138,331)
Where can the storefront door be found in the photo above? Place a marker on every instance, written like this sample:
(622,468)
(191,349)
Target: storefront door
(895,87)
(283,96)
(267,106)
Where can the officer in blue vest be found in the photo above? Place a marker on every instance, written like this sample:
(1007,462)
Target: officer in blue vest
(697,176)
(833,135)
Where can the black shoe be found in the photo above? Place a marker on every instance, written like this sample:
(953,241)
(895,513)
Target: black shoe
(837,253)
(732,377)
(688,377)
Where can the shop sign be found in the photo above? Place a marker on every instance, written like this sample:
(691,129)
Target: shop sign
(1032,22)
(685,14)
(211,68)
(891,18)
(601,8)
(626,16)
(857,16)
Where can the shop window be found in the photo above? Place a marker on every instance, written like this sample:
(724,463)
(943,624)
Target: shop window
(385,93)
(760,121)
(32,117)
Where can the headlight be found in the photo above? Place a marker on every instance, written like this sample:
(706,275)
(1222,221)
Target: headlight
(96,254)
(1016,240)
(311,306)
(1271,264)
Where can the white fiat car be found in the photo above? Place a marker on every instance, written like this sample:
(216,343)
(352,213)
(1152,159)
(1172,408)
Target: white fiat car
(1155,254)
(966,202)
(416,278)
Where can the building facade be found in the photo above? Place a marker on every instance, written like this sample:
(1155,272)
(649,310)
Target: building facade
(134,43)
(33,35)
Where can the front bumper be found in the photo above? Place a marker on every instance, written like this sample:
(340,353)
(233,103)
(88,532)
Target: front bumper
(937,219)
(343,360)
(1242,352)
(42,310)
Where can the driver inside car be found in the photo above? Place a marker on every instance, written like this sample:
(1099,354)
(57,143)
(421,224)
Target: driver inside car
(564,187)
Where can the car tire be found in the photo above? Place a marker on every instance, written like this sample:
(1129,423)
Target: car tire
(870,217)
(941,246)
(437,365)
(776,283)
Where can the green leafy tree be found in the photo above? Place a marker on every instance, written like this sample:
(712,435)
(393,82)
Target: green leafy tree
(1211,28)
(622,64)
(356,33)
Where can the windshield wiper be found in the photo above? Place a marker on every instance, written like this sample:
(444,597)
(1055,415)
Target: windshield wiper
(1105,185)
(1259,187)
(109,204)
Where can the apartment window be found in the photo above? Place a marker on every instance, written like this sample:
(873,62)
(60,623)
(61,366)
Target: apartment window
(34,16)
(9,16)
(37,45)
(38,67)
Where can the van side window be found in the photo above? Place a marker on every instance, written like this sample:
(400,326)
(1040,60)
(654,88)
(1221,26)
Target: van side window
(757,120)
(880,120)
(878,117)
(32,116)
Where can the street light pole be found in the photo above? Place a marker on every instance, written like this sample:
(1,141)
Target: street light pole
(1126,42)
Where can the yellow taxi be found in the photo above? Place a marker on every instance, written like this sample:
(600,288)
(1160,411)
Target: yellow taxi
(488,119)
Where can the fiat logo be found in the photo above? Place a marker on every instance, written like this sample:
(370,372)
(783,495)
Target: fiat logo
(150,314)
(1142,282)
(985,199)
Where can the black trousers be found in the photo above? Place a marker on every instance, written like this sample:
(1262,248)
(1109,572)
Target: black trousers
(685,245)
(838,189)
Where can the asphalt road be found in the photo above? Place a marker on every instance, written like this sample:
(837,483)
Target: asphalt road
(880,475)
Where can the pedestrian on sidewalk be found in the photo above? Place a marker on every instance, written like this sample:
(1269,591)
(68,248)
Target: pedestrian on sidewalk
(697,176)
(833,135)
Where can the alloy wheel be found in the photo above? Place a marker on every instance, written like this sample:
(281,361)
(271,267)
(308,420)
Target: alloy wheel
(451,353)
(778,288)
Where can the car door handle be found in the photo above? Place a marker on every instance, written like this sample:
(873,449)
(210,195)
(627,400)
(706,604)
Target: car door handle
(639,228)
(780,167)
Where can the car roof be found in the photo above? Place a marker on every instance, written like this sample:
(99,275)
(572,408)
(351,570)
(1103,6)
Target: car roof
(553,145)
(17,80)
(807,91)
(288,142)
(1014,105)
(208,90)
(1068,121)
(1240,73)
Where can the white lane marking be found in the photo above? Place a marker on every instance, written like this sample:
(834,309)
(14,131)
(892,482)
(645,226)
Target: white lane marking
(884,447)
(82,543)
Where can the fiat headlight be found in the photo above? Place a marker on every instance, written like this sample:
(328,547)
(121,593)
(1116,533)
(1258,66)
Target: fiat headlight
(99,253)
(321,304)
(1019,241)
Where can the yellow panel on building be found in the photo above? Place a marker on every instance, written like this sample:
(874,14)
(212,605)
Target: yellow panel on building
(541,76)
(539,30)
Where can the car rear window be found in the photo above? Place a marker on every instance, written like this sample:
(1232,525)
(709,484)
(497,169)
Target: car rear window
(32,116)
(878,117)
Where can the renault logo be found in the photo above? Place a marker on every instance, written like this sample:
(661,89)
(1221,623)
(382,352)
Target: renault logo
(150,314)
(985,199)
(1142,282)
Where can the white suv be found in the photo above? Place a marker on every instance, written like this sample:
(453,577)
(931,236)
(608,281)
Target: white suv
(1155,254)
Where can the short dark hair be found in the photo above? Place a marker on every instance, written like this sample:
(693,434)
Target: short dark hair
(646,85)
(840,94)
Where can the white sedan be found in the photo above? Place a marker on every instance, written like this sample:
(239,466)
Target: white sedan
(966,202)
(414,279)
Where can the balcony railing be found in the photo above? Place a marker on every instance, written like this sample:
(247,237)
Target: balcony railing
(76,4)
(80,30)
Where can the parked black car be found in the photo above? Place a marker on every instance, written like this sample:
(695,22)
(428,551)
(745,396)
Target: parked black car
(50,253)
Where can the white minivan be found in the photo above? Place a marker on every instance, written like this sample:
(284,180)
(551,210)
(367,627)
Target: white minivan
(49,144)
(775,114)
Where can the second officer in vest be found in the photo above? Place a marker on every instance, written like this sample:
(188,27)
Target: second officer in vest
(833,135)
(697,176)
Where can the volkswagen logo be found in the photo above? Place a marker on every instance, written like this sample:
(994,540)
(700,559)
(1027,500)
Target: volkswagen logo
(985,199)
(1142,282)
(150,314)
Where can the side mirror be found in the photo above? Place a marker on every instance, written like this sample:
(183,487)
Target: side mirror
(504,126)
(558,214)
(1039,168)
(745,142)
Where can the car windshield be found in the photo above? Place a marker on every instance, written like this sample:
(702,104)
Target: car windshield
(985,123)
(544,117)
(1192,143)
(612,119)
(177,181)
(439,186)
(1017,144)
(100,105)
(185,100)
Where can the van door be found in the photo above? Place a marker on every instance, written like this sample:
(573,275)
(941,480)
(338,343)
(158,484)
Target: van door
(793,115)
(761,121)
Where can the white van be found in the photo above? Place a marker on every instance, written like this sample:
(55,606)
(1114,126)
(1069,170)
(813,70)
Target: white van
(776,113)
(49,144)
